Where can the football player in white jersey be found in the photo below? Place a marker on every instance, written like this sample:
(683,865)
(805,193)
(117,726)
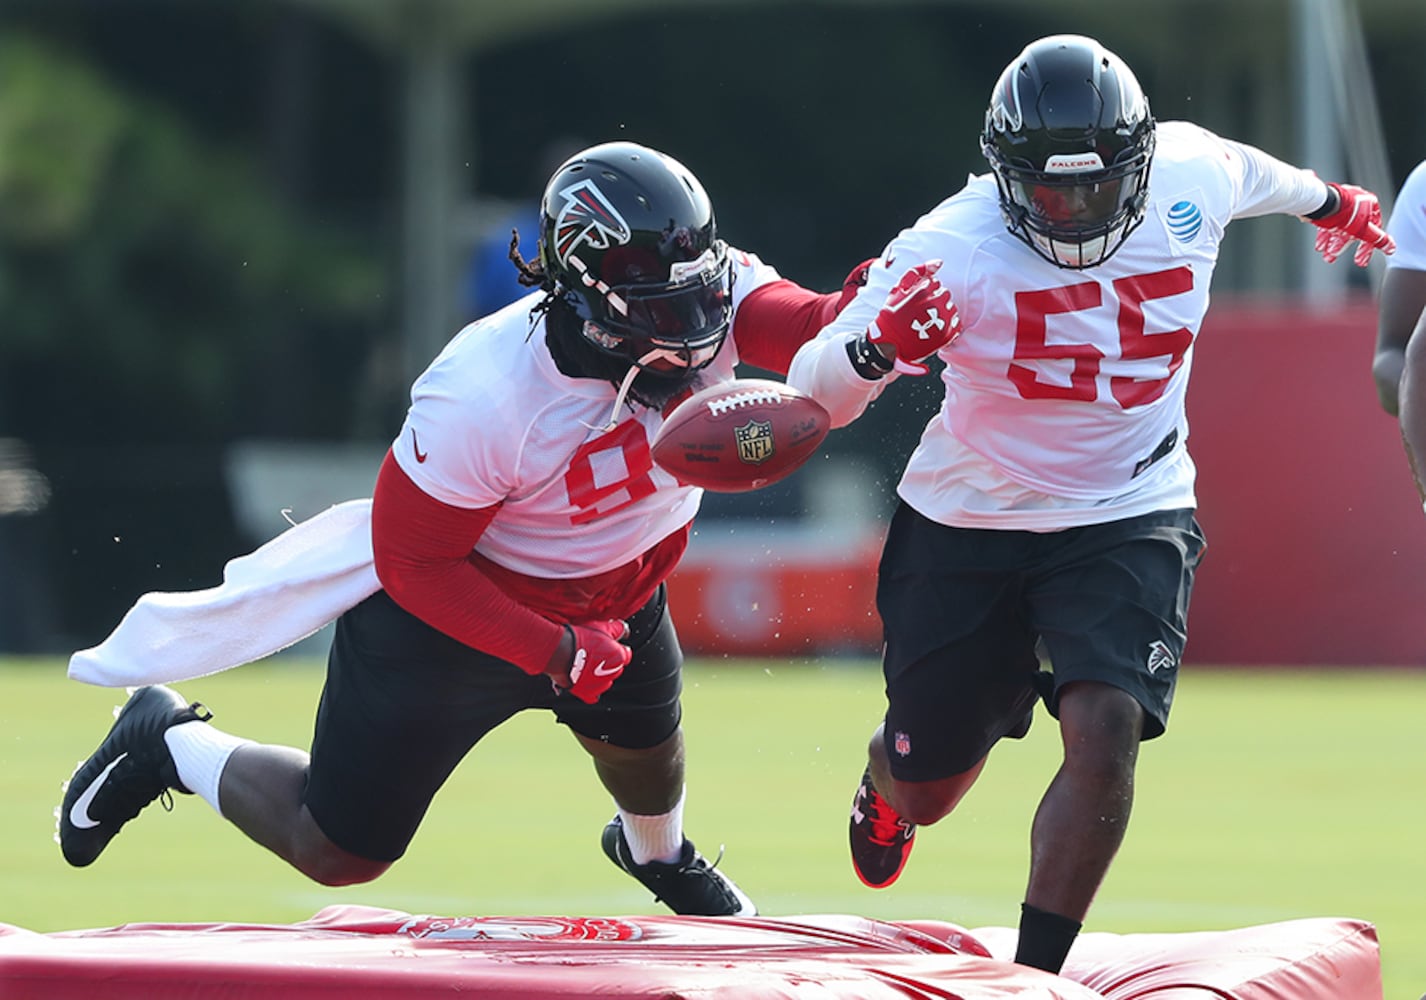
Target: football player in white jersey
(522,537)
(1050,503)
(1400,362)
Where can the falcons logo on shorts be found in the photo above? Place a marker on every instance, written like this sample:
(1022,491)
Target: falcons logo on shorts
(1160,657)
(587,217)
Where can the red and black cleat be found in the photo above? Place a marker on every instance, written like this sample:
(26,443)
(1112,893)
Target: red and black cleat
(881,840)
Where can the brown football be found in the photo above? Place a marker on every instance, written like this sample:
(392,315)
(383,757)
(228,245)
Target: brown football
(740,435)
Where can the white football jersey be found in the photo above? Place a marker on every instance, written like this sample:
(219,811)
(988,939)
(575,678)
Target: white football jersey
(494,421)
(1064,393)
(1407,224)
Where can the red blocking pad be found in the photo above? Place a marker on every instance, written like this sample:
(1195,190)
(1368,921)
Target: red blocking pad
(363,952)
(1312,959)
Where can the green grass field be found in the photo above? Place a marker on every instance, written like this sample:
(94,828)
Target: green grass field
(1275,795)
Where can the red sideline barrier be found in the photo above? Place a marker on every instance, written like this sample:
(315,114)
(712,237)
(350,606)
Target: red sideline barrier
(365,953)
(1316,541)
(779,591)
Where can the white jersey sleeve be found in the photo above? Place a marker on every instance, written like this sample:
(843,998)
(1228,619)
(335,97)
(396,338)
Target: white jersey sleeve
(1263,184)
(1407,224)
(749,272)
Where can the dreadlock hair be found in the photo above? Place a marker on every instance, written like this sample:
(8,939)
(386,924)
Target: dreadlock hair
(530,273)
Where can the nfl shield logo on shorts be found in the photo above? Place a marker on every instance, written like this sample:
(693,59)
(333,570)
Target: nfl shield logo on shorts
(754,441)
(902,743)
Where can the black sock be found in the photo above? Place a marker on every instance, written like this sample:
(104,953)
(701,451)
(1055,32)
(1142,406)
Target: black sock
(1045,938)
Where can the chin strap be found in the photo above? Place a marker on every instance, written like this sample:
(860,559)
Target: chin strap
(624,387)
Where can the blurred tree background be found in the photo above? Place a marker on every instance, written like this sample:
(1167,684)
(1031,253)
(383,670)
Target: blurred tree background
(201,232)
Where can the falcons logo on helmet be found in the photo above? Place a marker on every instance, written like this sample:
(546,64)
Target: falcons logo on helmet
(587,217)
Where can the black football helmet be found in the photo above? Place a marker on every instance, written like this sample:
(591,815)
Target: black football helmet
(628,242)
(1070,139)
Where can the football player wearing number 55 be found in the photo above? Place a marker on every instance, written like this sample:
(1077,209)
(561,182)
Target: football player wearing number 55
(1050,503)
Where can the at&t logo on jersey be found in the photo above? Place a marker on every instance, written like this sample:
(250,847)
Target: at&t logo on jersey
(1184,220)
(587,218)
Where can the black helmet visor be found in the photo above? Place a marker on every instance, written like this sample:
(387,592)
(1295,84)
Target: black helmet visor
(1066,205)
(685,318)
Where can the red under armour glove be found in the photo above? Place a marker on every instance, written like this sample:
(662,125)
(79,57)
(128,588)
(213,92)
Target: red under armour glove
(593,661)
(1358,217)
(917,320)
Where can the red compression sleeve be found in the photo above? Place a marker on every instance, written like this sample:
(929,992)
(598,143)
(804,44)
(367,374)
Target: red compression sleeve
(422,547)
(779,317)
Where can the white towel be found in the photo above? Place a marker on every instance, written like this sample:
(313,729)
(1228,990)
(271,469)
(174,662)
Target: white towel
(269,599)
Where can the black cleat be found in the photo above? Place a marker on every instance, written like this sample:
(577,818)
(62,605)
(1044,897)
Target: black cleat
(689,886)
(131,768)
(881,840)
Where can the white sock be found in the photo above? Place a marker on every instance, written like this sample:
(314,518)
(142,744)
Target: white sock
(655,838)
(200,753)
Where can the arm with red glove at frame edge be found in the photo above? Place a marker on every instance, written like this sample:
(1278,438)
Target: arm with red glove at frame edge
(421,547)
(779,317)
(1350,213)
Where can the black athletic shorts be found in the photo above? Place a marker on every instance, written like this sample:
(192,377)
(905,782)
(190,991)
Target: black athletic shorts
(968,612)
(404,703)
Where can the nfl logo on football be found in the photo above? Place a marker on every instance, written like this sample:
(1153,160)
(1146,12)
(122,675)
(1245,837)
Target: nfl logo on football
(754,441)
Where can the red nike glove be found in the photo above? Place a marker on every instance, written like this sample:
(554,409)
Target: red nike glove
(595,662)
(1358,217)
(853,282)
(917,320)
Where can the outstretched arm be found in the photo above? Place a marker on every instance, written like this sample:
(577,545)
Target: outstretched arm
(1342,213)
(779,317)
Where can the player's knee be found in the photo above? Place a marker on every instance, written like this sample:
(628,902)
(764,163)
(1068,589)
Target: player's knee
(927,802)
(338,868)
(1100,712)
(1102,727)
(327,864)
(922,808)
